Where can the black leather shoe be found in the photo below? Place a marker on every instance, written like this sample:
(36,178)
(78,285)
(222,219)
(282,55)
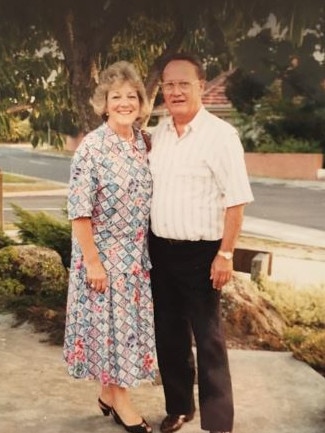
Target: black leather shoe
(104,407)
(143,427)
(174,422)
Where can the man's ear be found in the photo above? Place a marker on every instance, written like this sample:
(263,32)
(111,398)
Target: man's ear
(202,85)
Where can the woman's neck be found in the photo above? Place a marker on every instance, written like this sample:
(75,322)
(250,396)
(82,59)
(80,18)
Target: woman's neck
(125,132)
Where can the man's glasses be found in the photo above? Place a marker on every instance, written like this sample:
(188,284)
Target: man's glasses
(183,86)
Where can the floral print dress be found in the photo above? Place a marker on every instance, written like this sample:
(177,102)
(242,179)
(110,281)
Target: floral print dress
(110,336)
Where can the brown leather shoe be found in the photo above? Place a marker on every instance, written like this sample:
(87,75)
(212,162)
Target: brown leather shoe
(174,422)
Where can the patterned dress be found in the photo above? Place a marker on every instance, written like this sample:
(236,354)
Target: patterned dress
(110,336)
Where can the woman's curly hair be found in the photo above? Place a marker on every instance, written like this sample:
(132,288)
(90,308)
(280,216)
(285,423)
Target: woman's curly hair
(118,73)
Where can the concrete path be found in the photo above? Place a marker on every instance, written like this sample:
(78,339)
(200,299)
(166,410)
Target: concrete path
(274,393)
(277,231)
(296,268)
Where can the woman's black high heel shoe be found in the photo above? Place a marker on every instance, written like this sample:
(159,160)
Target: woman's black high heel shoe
(143,427)
(104,407)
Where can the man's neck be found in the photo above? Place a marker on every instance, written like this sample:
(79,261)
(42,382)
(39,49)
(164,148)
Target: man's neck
(180,123)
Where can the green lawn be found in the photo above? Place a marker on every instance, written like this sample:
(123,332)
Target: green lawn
(18,183)
(15,178)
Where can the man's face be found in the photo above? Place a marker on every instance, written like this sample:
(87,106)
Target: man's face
(182,90)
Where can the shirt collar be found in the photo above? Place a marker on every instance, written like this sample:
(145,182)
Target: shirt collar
(194,124)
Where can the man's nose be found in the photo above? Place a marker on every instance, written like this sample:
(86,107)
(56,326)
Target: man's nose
(176,89)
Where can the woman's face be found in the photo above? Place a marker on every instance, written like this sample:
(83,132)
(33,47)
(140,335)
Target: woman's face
(123,105)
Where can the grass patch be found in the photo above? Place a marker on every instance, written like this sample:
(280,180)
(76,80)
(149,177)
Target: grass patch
(299,307)
(15,178)
(303,311)
(38,186)
(19,183)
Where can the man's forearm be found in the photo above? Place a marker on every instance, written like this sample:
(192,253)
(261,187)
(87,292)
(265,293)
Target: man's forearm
(233,224)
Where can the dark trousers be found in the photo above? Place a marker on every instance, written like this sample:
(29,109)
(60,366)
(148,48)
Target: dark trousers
(186,305)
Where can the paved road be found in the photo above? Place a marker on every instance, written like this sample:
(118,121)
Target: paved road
(298,203)
(301,203)
(33,163)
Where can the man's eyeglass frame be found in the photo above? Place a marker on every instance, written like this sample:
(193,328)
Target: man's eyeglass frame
(183,86)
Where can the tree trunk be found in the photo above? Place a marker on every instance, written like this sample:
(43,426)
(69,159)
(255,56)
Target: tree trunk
(82,69)
(152,84)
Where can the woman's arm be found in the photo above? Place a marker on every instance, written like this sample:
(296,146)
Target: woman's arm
(96,274)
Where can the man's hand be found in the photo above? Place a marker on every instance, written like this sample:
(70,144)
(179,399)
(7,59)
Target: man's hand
(221,272)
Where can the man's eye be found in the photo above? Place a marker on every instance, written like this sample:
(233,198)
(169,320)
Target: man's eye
(167,86)
(184,84)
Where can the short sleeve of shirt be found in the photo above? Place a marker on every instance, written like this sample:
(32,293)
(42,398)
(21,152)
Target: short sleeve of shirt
(234,174)
(83,183)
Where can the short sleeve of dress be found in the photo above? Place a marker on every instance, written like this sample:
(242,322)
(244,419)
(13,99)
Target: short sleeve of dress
(83,183)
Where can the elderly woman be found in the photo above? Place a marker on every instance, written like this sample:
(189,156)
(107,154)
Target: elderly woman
(109,333)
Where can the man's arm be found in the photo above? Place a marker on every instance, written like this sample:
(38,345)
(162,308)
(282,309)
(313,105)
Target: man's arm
(222,268)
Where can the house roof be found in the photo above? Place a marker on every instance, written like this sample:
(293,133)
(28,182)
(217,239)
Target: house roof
(215,92)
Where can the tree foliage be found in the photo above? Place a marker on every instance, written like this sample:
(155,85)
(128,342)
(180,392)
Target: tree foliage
(279,88)
(83,37)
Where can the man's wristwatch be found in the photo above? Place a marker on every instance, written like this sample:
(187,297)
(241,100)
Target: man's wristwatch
(228,255)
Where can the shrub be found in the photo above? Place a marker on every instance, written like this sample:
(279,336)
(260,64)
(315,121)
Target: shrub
(31,270)
(33,285)
(281,126)
(42,229)
(303,310)
(295,336)
(303,307)
(5,240)
(307,345)
(289,145)
(312,350)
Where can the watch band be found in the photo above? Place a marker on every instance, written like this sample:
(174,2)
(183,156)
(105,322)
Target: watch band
(228,255)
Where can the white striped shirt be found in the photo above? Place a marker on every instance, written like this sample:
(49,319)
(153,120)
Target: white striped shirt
(196,177)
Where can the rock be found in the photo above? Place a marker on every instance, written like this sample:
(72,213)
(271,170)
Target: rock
(250,320)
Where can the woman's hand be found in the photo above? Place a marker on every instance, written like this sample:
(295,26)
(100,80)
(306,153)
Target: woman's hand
(97,277)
